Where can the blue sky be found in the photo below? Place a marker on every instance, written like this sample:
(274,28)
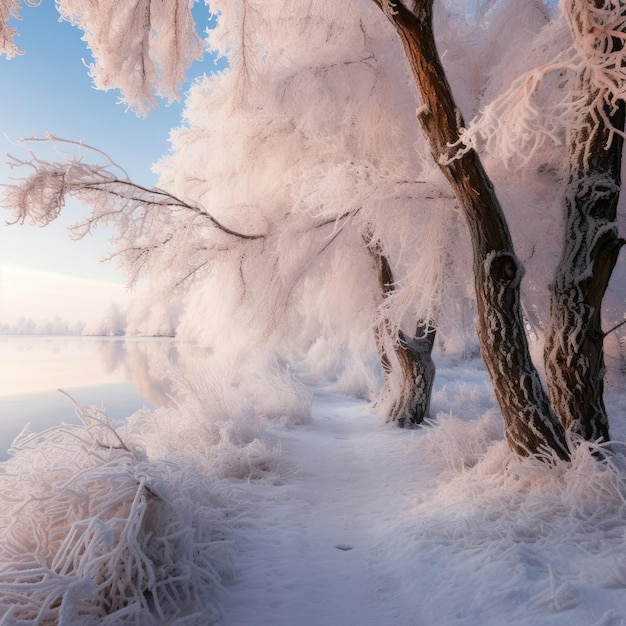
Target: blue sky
(48,90)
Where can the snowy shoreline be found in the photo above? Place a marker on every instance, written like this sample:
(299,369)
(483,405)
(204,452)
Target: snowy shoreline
(330,517)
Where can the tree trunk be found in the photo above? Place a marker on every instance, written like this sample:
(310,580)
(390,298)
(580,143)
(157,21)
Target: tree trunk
(412,354)
(530,425)
(574,355)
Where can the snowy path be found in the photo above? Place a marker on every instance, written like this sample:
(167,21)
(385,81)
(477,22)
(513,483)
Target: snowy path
(312,556)
(367,525)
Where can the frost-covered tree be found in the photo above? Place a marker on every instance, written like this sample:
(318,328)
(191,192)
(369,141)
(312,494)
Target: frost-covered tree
(329,147)
(303,194)
(321,166)
(593,107)
(142,47)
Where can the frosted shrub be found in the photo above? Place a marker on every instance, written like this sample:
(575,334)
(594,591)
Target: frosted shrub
(483,497)
(453,445)
(222,423)
(126,523)
(94,532)
(278,395)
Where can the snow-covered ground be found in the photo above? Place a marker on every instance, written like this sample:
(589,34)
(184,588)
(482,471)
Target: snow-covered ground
(370,525)
(310,519)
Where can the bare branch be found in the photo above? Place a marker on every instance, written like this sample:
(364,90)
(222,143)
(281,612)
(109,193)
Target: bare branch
(611,330)
(41,195)
(158,197)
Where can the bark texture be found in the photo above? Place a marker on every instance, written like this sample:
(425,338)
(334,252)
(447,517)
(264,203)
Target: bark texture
(574,354)
(412,355)
(531,426)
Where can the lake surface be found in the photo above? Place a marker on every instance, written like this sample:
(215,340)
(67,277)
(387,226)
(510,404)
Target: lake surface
(117,374)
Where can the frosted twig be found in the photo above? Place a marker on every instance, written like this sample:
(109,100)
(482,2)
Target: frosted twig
(86,416)
(54,139)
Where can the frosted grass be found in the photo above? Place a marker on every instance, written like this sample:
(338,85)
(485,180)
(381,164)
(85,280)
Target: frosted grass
(131,523)
(259,500)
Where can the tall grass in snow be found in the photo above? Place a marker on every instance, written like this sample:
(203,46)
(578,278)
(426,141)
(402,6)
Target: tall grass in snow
(130,523)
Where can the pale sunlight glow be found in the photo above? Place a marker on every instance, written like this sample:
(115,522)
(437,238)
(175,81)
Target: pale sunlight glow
(40,295)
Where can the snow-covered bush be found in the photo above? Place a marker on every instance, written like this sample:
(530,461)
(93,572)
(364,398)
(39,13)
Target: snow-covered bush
(128,523)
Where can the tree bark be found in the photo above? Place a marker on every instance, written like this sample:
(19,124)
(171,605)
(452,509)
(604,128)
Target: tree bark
(574,354)
(530,424)
(412,354)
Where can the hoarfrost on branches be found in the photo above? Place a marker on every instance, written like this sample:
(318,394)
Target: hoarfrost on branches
(151,222)
(327,134)
(8,9)
(543,106)
(141,47)
(103,533)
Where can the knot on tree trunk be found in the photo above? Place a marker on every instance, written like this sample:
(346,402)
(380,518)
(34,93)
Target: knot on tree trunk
(503,268)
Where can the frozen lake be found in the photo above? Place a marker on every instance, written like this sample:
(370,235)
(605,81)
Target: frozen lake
(118,374)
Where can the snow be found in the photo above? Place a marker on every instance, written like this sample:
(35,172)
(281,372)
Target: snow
(264,496)
(312,511)
(373,525)
(311,554)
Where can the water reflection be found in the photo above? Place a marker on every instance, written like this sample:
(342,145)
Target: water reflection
(121,375)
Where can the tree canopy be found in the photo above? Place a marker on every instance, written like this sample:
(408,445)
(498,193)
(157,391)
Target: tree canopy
(306,151)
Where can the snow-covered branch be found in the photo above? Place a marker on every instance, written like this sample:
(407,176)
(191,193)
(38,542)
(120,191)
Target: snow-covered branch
(156,230)
(106,188)
(142,47)
(8,9)
(546,105)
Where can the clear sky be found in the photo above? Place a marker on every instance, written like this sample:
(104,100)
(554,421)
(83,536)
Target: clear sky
(48,90)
